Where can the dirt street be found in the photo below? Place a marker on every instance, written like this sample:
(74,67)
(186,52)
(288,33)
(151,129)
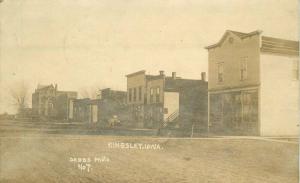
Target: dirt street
(45,158)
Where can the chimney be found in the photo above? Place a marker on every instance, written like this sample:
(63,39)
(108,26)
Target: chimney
(161,73)
(173,75)
(203,76)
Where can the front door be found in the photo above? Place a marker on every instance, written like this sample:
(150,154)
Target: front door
(94,113)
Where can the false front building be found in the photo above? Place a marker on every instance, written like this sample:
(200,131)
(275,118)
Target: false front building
(253,85)
(156,101)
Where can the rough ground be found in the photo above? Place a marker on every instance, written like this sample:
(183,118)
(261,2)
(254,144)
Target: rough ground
(40,157)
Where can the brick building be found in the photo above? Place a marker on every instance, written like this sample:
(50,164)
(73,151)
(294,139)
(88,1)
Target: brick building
(253,85)
(48,102)
(156,101)
(136,97)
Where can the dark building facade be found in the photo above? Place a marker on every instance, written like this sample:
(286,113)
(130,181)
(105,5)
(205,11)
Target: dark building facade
(79,109)
(110,103)
(156,101)
(48,102)
(136,97)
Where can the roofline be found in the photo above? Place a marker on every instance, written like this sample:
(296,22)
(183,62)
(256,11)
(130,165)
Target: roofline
(187,79)
(227,31)
(63,91)
(279,46)
(280,39)
(156,77)
(44,87)
(136,73)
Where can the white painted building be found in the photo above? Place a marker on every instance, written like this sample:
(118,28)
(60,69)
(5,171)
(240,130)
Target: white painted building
(253,85)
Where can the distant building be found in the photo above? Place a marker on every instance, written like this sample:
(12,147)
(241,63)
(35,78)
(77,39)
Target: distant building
(137,97)
(156,101)
(79,109)
(110,103)
(253,85)
(48,102)
(6,116)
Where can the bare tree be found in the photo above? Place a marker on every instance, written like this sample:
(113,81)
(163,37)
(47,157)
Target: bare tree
(19,93)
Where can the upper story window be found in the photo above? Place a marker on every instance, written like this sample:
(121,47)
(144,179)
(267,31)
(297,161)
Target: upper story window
(220,72)
(151,95)
(140,93)
(134,94)
(296,69)
(157,94)
(145,98)
(130,95)
(244,69)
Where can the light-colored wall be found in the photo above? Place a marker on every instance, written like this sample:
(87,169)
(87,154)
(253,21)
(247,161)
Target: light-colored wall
(135,82)
(279,96)
(171,102)
(154,84)
(94,113)
(71,108)
(231,55)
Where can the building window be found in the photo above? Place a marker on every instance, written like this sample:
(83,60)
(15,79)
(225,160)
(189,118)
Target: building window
(157,94)
(51,105)
(134,94)
(296,69)
(166,111)
(99,95)
(140,93)
(130,95)
(244,69)
(220,72)
(151,95)
(145,98)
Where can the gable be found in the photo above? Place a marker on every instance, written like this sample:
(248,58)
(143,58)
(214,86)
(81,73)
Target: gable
(235,35)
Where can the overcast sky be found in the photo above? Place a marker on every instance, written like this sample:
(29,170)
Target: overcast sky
(80,43)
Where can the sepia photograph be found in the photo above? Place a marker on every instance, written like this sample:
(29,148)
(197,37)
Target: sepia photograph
(149,91)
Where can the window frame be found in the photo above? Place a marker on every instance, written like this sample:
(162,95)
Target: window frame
(219,66)
(130,94)
(157,94)
(134,94)
(140,93)
(244,69)
(151,94)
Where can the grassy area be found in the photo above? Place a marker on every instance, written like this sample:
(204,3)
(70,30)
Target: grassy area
(42,158)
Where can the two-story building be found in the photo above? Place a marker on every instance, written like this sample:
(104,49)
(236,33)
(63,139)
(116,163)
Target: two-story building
(158,101)
(136,97)
(253,85)
(48,102)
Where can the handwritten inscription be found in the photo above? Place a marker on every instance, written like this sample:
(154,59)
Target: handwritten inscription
(85,164)
(129,145)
